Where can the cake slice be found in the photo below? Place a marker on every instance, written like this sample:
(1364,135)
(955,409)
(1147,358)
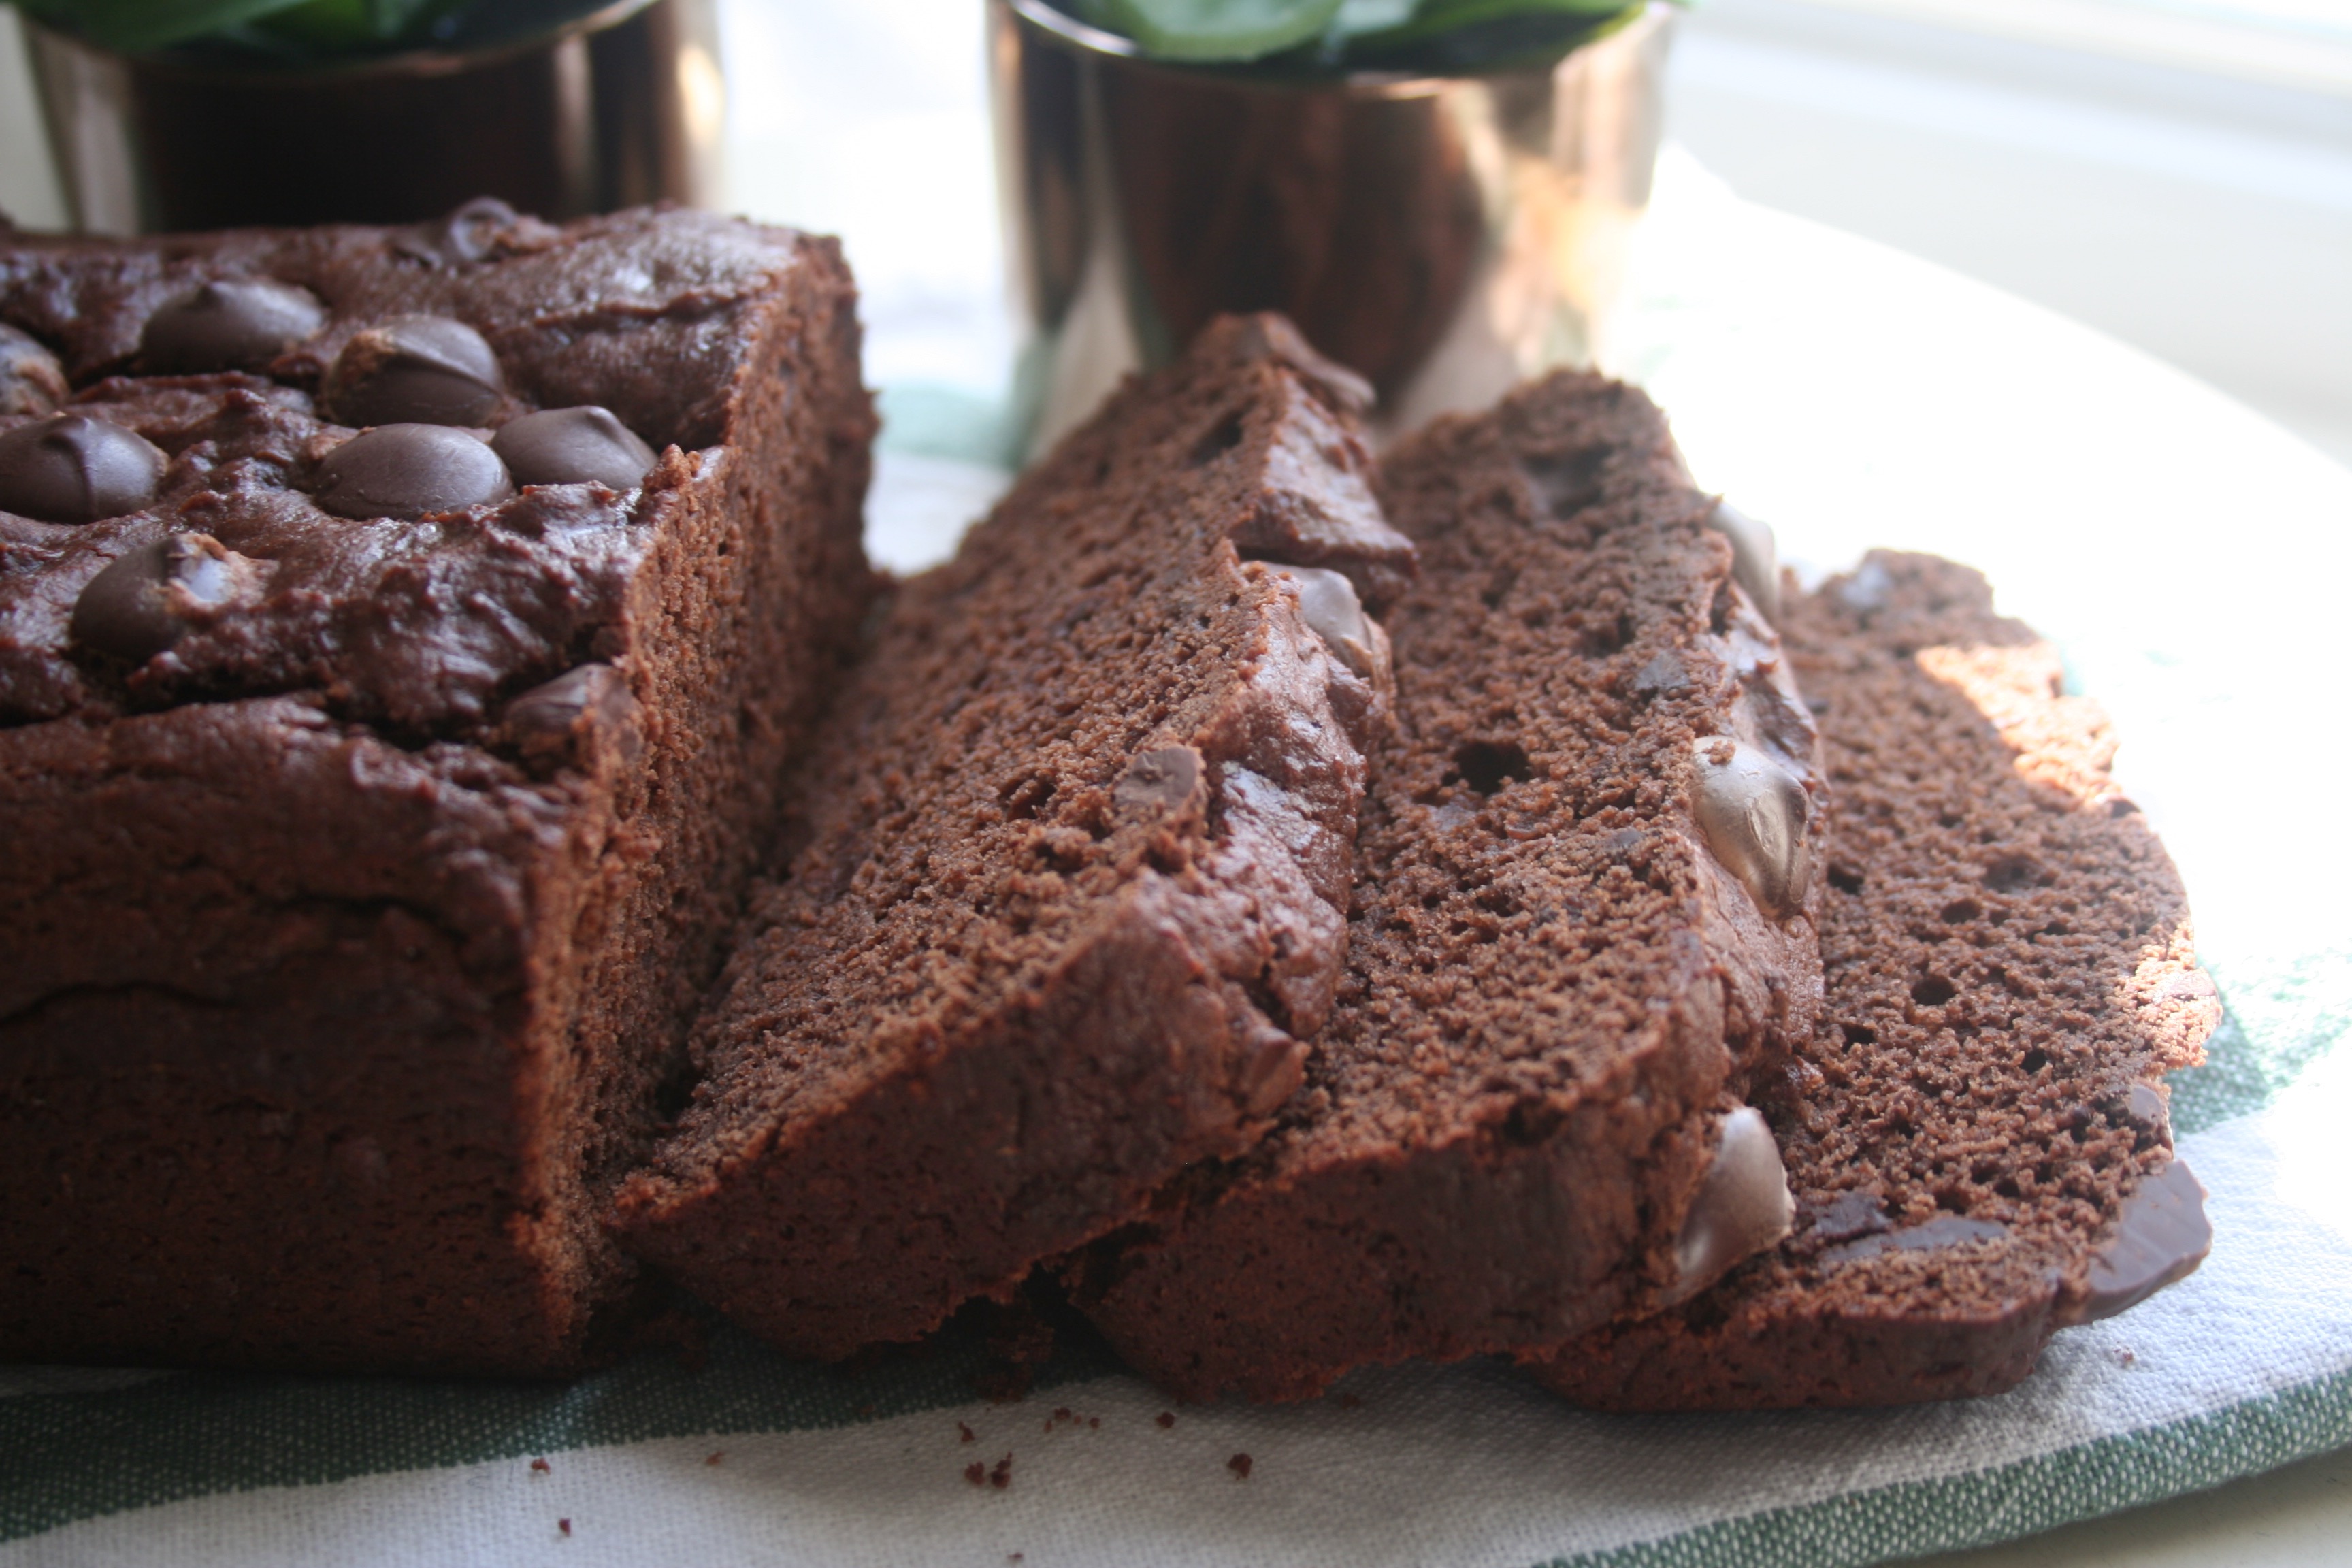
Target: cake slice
(374,803)
(1075,871)
(1583,921)
(1977,1137)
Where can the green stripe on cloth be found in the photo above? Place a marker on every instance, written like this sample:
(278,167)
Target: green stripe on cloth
(68,1456)
(1916,1519)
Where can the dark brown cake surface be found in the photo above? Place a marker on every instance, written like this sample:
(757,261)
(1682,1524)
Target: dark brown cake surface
(1555,987)
(371,828)
(1977,1138)
(1078,850)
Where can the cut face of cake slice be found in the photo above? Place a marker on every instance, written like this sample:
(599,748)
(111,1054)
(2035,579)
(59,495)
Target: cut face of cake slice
(1977,1137)
(1583,920)
(1076,856)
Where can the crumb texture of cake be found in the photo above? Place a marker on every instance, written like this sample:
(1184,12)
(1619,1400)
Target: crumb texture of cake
(1583,919)
(1977,1138)
(377,800)
(1073,874)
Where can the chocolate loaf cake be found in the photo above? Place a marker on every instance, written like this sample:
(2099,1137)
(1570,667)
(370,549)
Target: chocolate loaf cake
(1583,921)
(1977,1137)
(375,801)
(1075,871)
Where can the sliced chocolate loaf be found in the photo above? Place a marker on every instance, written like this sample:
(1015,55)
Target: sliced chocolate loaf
(1582,921)
(374,803)
(1977,1137)
(1075,871)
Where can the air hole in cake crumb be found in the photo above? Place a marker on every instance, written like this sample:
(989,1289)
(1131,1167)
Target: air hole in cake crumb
(1858,1034)
(1532,1122)
(1933,991)
(1961,912)
(1565,483)
(1223,439)
(2011,872)
(1499,587)
(2034,1060)
(1485,765)
(1024,796)
(1845,879)
(1600,639)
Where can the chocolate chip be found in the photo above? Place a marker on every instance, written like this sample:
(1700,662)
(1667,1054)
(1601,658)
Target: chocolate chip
(1846,1215)
(415,369)
(1753,812)
(70,468)
(1159,781)
(141,604)
(2161,1236)
(31,380)
(1945,1230)
(1754,562)
(1742,1207)
(571,446)
(1272,1075)
(561,718)
(467,235)
(408,470)
(1329,604)
(231,323)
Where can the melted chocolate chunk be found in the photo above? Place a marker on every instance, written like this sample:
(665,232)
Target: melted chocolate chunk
(561,720)
(572,446)
(1743,1205)
(408,470)
(234,323)
(73,469)
(427,370)
(1755,560)
(140,604)
(31,380)
(1944,1230)
(1753,812)
(1160,781)
(1329,604)
(2161,1234)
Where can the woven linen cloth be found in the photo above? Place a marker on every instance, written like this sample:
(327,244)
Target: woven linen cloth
(2186,557)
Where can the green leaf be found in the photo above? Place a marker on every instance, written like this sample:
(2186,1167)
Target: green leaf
(1220,30)
(1432,17)
(1359,16)
(135,26)
(329,25)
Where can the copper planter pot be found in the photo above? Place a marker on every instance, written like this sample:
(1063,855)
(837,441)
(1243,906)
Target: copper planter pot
(606,110)
(1446,236)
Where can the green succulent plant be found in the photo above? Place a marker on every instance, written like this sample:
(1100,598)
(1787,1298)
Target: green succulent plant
(320,27)
(1434,35)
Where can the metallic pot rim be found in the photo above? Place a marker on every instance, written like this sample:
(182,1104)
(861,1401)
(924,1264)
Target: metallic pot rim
(1067,32)
(424,62)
